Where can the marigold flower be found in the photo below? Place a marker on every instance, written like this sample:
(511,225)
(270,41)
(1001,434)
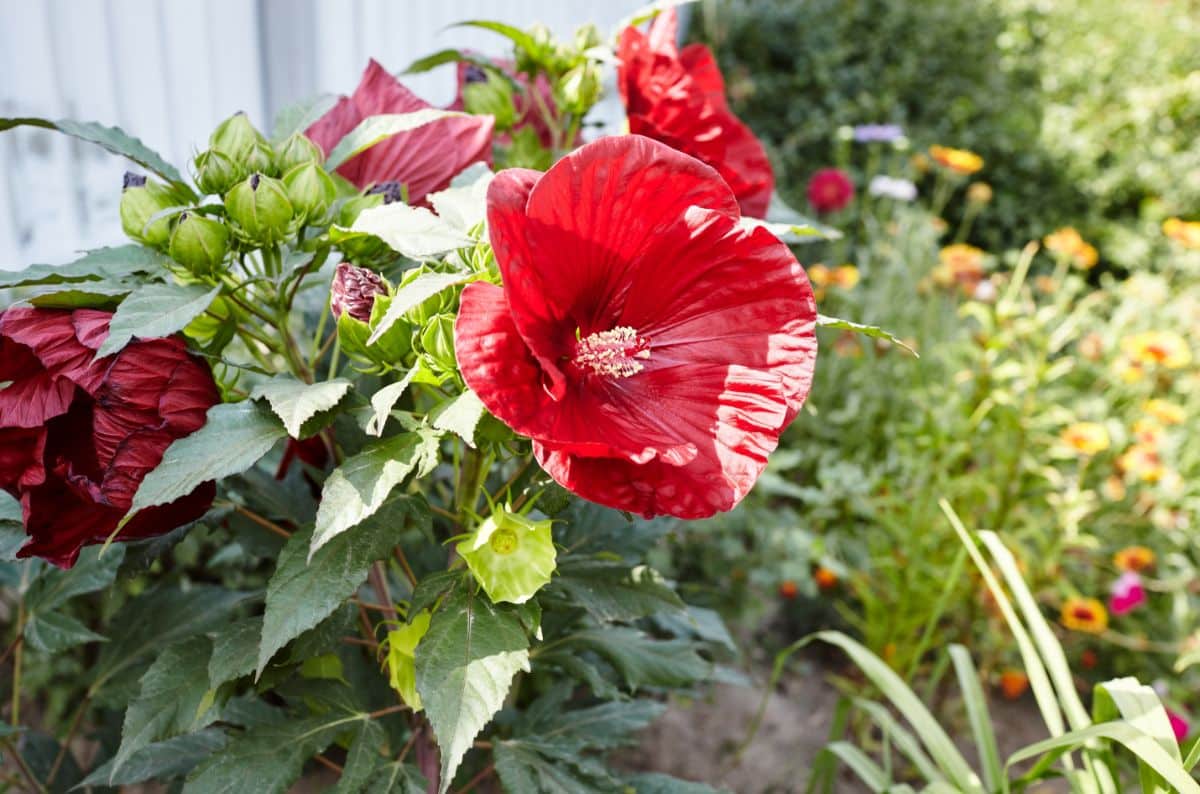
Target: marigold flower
(1164,348)
(960,161)
(651,345)
(78,435)
(1127,594)
(1166,412)
(979,193)
(830,190)
(788,589)
(820,275)
(1084,614)
(1086,438)
(1186,233)
(846,276)
(1045,285)
(825,578)
(1013,684)
(1143,462)
(1134,558)
(424,160)
(961,264)
(1067,242)
(678,97)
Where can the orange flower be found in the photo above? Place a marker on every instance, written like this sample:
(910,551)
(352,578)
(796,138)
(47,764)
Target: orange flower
(960,264)
(1045,284)
(960,161)
(1086,438)
(819,275)
(846,276)
(1166,412)
(788,589)
(1142,461)
(825,578)
(1084,614)
(1165,348)
(1066,242)
(1148,431)
(1134,558)
(1013,684)
(1113,488)
(1186,233)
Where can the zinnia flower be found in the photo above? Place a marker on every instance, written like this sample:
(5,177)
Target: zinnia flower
(960,264)
(1179,725)
(1186,233)
(1127,594)
(678,97)
(1086,438)
(1084,614)
(651,345)
(353,291)
(830,190)
(78,435)
(1143,462)
(1165,348)
(960,161)
(1166,412)
(423,160)
(1067,242)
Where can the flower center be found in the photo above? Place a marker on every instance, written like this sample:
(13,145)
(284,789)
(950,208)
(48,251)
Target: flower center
(503,541)
(1083,613)
(617,353)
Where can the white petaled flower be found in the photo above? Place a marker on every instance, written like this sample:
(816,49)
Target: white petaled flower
(893,188)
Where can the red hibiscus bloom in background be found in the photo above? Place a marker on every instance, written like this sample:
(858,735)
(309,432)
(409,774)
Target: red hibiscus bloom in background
(424,160)
(525,108)
(78,435)
(830,190)
(651,346)
(678,97)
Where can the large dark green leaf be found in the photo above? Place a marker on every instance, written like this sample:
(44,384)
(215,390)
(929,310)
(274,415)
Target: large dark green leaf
(154,311)
(549,769)
(111,138)
(611,590)
(362,759)
(657,783)
(235,651)
(397,777)
(641,660)
(302,593)
(102,264)
(160,761)
(53,632)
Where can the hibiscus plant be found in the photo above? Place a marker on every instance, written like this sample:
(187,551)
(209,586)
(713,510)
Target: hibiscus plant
(349,462)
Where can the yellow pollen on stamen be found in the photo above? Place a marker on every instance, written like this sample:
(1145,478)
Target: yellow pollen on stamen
(614,353)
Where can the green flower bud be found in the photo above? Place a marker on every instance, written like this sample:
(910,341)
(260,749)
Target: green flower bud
(297,150)
(261,209)
(389,351)
(349,210)
(510,555)
(432,306)
(310,189)
(235,137)
(141,200)
(437,340)
(491,96)
(199,243)
(260,158)
(216,172)
(579,89)
(587,37)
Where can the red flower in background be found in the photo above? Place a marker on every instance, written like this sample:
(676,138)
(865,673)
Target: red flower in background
(830,190)
(651,346)
(424,160)
(77,435)
(678,97)
(525,106)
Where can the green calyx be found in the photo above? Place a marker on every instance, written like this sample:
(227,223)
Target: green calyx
(510,555)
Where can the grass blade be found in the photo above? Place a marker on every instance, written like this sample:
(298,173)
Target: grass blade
(867,770)
(979,717)
(905,742)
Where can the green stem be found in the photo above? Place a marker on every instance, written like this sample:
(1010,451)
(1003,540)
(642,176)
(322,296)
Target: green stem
(18,656)
(470,482)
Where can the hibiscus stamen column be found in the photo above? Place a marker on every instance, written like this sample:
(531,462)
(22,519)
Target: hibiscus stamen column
(617,353)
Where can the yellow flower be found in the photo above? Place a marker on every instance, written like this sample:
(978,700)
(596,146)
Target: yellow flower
(1165,348)
(979,193)
(1142,461)
(819,275)
(959,264)
(1186,233)
(1091,346)
(1084,614)
(1133,558)
(1129,371)
(1086,438)
(1113,488)
(1067,243)
(960,161)
(1148,431)
(846,276)
(1166,412)
(1045,284)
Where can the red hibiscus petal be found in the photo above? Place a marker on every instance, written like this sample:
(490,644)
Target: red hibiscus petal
(698,61)
(21,452)
(64,342)
(734,414)
(664,32)
(33,395)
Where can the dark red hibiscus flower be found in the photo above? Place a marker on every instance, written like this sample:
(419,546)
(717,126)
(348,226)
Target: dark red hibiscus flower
(423,160)
(77,435)
(830,190)
(678,97)
(651,345)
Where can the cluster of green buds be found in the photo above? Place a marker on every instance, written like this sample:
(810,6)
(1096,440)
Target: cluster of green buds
(572,67)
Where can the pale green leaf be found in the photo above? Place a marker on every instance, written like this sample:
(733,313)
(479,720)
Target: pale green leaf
(357,488)
(411,295)
(464,206)
(295,402)
(384,400)
(902,738)
(154,311)
(872,331)
(867,770)
(299,116)
(460,416)
(375,129)
(517,36)
(111,138)
(649,12)
(414,232)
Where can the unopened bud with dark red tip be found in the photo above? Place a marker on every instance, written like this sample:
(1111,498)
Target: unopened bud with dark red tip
(199,243)
(217,172)
(297,150)
(354,291)
(491,96)
(391,191)
(310,189)
(141,200)
(261,209)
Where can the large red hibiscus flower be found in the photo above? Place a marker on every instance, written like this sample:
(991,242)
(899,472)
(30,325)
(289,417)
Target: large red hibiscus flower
(651,345)
(423,160)
(78,435)
(678,97)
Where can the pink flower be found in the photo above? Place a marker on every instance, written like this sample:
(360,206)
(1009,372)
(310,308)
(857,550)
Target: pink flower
(1179,725)
(1127,594)
(830,190)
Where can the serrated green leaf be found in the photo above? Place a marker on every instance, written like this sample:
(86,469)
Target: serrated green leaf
(101,264)
(641,660)
(92,571)
(113,139)
(517,36)
(397,778)
(232,440)
(657,783)
(299,116)
(362,759)
(858,328)
(384,400)
(235,651)
(155,311)
(303,591)
(412,295)
(160,761)
(295,402)
(414,232)
(375,129)
(174,699)
(547,769)
(611,590)
(357,488)
(80,295)
(459,416)
(53,632)
(12,538)
(465,665)
(603,727)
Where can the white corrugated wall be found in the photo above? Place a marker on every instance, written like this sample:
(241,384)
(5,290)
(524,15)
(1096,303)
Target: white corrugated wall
(168,71)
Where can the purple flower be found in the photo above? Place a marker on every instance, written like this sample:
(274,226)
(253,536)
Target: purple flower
(1127,594)
(878,133)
